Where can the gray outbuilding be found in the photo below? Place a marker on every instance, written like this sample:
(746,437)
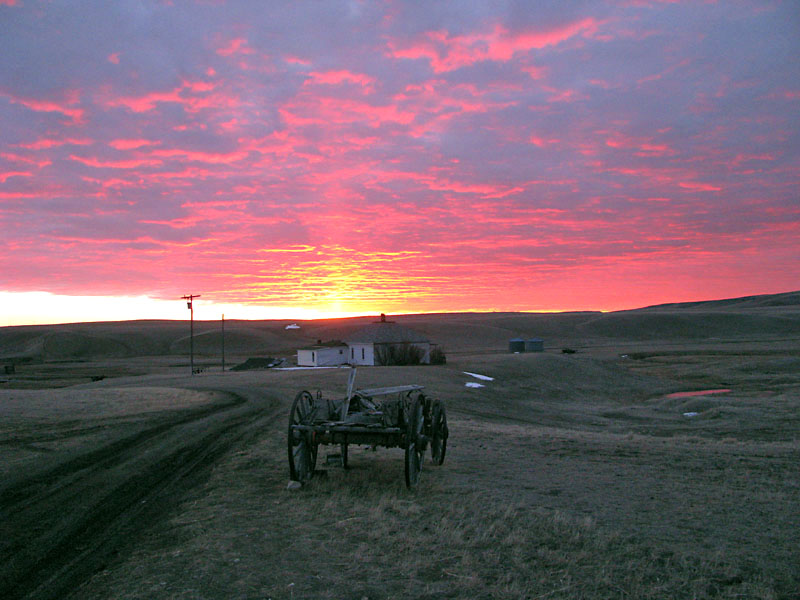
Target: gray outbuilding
(534,345)
(516,345)
(388,343)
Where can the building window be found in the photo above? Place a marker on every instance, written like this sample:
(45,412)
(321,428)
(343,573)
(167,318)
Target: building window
(352,353)
(313,358)
(362,354)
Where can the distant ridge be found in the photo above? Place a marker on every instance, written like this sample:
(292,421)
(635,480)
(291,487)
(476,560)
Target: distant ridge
(759,301)
(775,316)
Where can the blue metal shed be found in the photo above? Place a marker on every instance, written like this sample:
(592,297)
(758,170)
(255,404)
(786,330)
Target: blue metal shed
(516,345)
(534,345)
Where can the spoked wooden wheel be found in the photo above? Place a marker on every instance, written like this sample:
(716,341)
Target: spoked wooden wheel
(414,444)
(438,433)
(302,451)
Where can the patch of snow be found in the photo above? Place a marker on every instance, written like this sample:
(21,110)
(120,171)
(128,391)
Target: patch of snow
(472,384)
(690,414)
(293,326)
(476,376)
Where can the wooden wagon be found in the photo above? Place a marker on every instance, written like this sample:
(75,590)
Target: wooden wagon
(393,417)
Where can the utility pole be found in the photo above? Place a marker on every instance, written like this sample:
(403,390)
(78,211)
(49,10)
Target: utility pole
(223,342)
(189,300)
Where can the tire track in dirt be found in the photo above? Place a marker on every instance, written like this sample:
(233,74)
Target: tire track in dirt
(62,524)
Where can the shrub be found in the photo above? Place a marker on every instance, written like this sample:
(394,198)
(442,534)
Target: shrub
(437,356)
(398,354)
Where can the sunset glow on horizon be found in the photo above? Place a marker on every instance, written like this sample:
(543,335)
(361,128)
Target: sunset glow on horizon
(310,160)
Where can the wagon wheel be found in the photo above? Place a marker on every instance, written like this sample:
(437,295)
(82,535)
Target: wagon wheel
(439,433)
(414,447)
(302,452)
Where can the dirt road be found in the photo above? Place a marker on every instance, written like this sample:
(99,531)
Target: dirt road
(64,521)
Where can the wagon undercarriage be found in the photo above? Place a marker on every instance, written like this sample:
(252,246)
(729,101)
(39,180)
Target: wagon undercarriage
(393,417)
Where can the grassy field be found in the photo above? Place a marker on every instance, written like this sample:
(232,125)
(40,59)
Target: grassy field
(567,475)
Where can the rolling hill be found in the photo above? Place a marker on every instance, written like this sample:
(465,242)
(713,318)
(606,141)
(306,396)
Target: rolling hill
(767,316)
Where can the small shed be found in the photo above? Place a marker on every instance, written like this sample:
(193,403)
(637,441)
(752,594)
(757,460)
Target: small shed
(516,345)
(534,345)
(328,354)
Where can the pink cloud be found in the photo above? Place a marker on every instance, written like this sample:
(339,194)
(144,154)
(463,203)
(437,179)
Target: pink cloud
(435,103)
(296,60)
(642,146)
(115,164)
(278,142)
(65,108)
(482,190)
(124,144)
(52,143)
(189,174)
(699,187)
(198,156)
(113,182)
(535,72)
(147,102)
(564,95)
(506,44)
(19,195)
(28,160)
(542,142)
(655,150)
(235,46)
(8,174)
(447,53)
(784,95)
(198,87)
(318,110)
(745,157)
(194,96)
(339,77)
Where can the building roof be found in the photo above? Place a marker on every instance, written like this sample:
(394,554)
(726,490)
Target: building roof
(386,332)
(322,345)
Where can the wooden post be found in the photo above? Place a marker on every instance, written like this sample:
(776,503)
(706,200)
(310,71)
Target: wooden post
(190,305)
(350,381)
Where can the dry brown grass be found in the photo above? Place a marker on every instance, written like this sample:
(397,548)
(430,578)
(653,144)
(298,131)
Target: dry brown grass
(361,534)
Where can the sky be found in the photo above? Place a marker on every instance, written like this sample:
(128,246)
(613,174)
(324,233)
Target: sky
(340,157)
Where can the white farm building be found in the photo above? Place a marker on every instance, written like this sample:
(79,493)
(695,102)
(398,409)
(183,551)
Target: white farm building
(322,355)
(381,343)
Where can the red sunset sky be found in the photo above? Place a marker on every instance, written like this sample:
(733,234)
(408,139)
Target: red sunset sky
(293,159)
